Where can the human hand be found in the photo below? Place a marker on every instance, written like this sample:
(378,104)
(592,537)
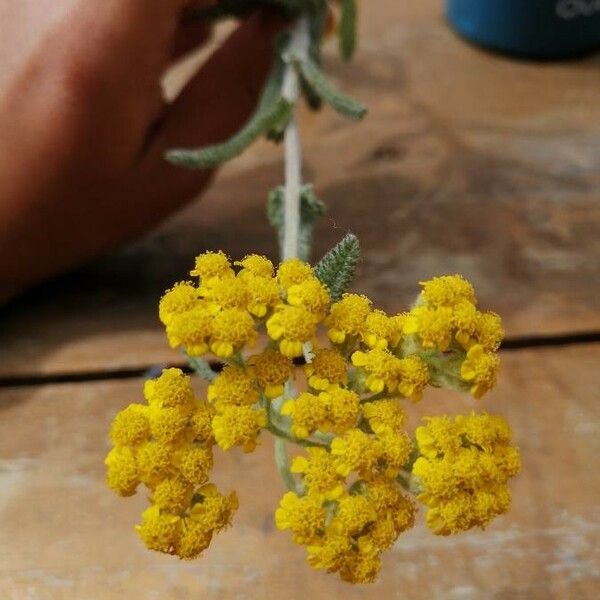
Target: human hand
(83,125)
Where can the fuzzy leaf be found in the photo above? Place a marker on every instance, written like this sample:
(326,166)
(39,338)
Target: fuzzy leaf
(322,87)
(311,208)
(336,268)
(211,156)
(348,28)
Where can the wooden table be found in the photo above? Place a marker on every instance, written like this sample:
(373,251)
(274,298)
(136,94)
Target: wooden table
(469,163)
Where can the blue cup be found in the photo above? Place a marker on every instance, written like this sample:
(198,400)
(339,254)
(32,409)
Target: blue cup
(540,29)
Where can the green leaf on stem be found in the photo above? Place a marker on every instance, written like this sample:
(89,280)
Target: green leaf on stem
(348,29)
(336,269)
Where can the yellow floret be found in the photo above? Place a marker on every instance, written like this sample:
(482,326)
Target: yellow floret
(382,331)
(413,377)
(343,408)
(212,265)
(480,369)
(329,552)
(154,463)
(192,329)
(193,541)
(355,451)
(168,424)
(238,426)
(385,415)
(465,318)
(308,413)
(226,293)
(304,517)
(201,423)
(448,290)
(213,511)
(173,495)
(348,317)
(232,330)
(362,566)
(354,514)
(271,370)
(159,531)
(327,367)
(311,294)
(234,386)
(395,451)
(433,326)
(172,388)
(194,463)
(381,368)
(122,474)
(130,426)
(263,294)
(489,331)
(181,298)
(256,264)
(292,326)
(319,473)
(292,272)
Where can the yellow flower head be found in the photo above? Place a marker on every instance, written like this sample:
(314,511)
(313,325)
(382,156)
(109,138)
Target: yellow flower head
(343,408)
(212,265)
(130,426)
(194,539)
(381,367)
(362,566)
(303,516)
(232,330)
(172,389)
(448,290)
(355,451)
(480,369)
(181,298)
(263,294)
(226,293)
(194,464)
(168,424)
(413,377)
(192,329)
(154,463)
(382,331)
(271,370)
(465,318)
(395,451)
(319,473)
(213,510)
(292,326)
(308,413)
(311,294)
(388,500)
(159,531)
(328,367)
(201,423)
(238,426)
(255,264)
(433,326)
(489,331)
(234,386)
(385,415)
(122,474)
(330,552)
(348,317)
(354,515)
(292,272)
(173,495)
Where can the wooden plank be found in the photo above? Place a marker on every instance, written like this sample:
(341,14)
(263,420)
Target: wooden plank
(64,535)
(468,162)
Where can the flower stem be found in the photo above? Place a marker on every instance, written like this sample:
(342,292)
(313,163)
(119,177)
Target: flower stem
(299,45)
(281,460)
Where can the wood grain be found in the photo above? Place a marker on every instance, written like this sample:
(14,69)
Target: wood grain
(468,162)
(64,536)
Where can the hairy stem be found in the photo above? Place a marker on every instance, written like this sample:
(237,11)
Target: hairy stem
(299,45)
(281,460)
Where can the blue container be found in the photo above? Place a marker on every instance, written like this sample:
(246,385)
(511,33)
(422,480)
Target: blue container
(541,29)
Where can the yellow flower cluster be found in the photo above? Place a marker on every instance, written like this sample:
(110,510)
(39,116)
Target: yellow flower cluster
(166,444)
(349,497)
(463,469)
(446,320)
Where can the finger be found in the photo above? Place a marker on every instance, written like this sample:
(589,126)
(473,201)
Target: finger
(214,105)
